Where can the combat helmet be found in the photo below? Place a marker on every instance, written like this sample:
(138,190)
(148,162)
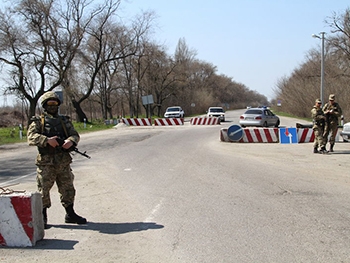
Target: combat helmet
(50,95)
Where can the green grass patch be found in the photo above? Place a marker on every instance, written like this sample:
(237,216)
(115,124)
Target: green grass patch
(15,135)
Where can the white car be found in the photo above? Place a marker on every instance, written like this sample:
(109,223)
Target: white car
(216,112)
(174,112)
(345,133)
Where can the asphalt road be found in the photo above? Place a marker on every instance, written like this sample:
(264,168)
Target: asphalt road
(179,194)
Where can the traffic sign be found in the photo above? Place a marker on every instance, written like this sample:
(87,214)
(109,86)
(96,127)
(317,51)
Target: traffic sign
(235,133)
(288,135)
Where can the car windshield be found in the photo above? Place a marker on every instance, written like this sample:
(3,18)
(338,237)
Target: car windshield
(173,109)
(253,112)
(216,110)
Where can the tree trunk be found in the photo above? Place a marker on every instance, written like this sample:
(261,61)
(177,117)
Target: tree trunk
(81,116)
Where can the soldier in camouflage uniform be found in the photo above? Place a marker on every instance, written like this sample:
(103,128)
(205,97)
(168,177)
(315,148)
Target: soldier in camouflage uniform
(332,112)
(54,135)
(318,125)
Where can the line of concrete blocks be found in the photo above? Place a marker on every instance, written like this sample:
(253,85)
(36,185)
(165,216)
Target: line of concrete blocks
(170,121)
(270,135)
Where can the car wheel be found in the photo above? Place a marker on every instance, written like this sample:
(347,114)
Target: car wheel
(277,124)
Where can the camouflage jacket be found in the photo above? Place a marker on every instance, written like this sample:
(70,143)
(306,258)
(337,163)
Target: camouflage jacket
(45,126)
(317,116)
(337,112)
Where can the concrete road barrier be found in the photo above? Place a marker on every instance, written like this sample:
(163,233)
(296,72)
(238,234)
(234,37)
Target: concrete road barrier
(137,121)
(205,121)
(270,135)
(21,219)
(169,121)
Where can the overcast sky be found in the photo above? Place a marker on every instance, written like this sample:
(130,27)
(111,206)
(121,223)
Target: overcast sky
(255,42)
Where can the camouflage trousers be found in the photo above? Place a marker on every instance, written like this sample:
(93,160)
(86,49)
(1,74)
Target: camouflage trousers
(47,175)
(318,142)
(330,131)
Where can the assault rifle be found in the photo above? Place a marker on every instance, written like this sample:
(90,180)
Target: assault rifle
(72,148)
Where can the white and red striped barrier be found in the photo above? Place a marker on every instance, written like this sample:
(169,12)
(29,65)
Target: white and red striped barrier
(137,121)
(265,135)
(307,135)
(271,135)
(205,121)
(21,220)
(260,135)
(168,121)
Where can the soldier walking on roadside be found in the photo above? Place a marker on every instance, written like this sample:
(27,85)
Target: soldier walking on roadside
(318,125)
(53,160)
(332,112)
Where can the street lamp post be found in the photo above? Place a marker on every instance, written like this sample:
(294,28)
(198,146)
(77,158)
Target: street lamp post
(322,62)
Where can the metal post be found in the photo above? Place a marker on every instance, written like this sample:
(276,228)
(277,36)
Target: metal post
(322,63)
(322,66)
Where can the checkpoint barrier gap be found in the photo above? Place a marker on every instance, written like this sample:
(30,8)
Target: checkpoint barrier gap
(21,219)
(270,135)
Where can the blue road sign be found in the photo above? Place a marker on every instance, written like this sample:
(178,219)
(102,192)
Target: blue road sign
(235,133)
(288,135)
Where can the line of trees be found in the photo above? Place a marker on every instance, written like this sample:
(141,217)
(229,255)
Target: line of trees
(298,91)
(104,64)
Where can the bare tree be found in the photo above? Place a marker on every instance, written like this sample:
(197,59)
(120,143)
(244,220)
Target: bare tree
(39,41)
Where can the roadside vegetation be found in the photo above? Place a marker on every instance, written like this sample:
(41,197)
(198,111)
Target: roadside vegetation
(15,134)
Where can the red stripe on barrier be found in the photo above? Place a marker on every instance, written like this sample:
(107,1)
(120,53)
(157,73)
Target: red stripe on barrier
(258,135)
(303,135)
(268,135)
(249,136)
(23,209)
(2,241)
(144,122)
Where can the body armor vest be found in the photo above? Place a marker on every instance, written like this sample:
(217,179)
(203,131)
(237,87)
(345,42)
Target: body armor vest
(53,126)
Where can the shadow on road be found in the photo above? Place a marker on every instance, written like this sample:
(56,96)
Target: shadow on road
(113,228)
(105,228)
(53,244)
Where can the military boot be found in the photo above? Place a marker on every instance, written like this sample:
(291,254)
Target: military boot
(331,148)
(72,217)
(323,150)
(45,218)
(316,151)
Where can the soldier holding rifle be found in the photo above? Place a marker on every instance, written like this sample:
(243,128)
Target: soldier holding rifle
(54,135)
